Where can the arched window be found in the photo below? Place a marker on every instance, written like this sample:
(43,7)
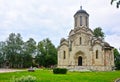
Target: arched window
(70,45)
(64,55)
(96,54)
(80,40)
(80,20)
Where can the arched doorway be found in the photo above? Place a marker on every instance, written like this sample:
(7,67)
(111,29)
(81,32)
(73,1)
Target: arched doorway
(79,61)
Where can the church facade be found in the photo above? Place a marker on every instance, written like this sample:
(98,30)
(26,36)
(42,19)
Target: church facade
(81,50)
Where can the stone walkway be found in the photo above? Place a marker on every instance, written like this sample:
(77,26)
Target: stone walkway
(8,70)
(118,80)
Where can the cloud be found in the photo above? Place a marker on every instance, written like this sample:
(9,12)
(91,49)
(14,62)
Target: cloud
(40,19)
(114,40)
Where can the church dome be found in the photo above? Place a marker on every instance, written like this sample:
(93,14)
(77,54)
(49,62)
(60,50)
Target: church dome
(81,11)
(62,40)
(106,44)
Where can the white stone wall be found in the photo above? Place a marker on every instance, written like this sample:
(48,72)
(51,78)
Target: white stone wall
(61,60)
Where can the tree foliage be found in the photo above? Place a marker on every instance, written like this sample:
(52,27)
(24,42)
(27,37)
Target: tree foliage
(2,53)
(117,59)
(29,50)
(117,2)
(13,49)
(98,32)
(47,53)
(15,53)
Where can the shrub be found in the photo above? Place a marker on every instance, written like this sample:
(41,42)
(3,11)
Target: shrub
(59,70)
(25,79)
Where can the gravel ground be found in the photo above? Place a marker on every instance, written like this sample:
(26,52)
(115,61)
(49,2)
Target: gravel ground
(8,70)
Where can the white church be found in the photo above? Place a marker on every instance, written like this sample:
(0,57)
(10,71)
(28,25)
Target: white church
(81,50)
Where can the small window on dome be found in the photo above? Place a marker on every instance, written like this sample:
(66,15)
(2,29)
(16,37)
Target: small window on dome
(80,20)
(75,22)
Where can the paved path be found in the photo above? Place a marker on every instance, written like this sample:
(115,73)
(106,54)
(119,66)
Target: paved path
(8,70)
(118,80)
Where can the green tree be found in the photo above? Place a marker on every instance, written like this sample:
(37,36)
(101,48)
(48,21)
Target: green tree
(40,58)
(2,54)
(29,52)
(47,53)
(117,2)
(117,59)
(98,32)
(13,50)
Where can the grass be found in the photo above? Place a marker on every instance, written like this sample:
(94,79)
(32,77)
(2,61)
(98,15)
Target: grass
(48,76)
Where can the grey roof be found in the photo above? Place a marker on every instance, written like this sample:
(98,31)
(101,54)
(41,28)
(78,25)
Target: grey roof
(106,44)
(81,11)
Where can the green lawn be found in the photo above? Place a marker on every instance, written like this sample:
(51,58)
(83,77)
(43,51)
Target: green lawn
(48,76)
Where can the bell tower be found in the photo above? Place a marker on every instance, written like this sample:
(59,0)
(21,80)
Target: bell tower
(81,18)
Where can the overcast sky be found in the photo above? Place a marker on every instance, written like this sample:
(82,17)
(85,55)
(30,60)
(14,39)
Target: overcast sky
(53,19)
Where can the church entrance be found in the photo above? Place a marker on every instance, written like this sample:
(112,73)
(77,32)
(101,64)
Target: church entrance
(79,61)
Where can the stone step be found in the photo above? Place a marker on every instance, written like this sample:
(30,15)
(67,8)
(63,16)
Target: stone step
(78,68)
